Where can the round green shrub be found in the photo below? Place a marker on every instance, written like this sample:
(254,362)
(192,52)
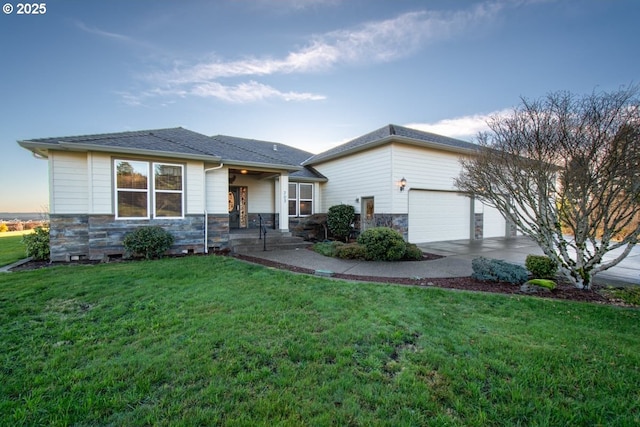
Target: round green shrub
(339,220)
(541,267)
(149,242)
(412,252)
(37,244)
(351,251)
(382,244)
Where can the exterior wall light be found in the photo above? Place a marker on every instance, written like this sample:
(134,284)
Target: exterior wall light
(403,183)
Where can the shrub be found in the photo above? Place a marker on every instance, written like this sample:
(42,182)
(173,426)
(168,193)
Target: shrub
(37,244)
(150,242)
(339,220)
(3,228)
(543,283)
(498,271)
(382,244)
(351,251)
(541,267)
(327,248)
(412,252)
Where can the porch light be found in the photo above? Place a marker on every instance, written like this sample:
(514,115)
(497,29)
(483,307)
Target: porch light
(403,183)
(243,171)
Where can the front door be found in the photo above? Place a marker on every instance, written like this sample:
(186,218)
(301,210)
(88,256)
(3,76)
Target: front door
(237,207)
(367,216)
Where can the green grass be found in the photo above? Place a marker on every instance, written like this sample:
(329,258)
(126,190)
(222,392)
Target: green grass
(214,341)
(11,247)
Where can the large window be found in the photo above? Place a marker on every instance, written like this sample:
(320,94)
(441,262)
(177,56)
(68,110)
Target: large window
(300,199)
(136,193)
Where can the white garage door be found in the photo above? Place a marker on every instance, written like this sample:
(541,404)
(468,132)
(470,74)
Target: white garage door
(438,215)
(494,223)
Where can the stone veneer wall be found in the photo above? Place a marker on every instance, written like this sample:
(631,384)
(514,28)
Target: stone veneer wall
(97,237)
(68,237)
(398,222)
(218,232)
(478,226)
(269,220)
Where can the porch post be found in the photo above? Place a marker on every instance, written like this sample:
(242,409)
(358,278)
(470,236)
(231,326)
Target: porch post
(282,201)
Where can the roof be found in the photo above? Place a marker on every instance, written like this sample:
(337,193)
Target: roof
(391,133)
(185,144)
(174,142)
(252,151)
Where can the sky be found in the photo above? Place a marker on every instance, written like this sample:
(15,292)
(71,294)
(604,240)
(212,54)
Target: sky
(308,73)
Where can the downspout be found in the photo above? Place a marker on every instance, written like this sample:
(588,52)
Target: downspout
(206,214)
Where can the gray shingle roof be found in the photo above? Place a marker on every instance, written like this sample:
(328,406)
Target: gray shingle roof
(177,141)
(183,143)
(386,134)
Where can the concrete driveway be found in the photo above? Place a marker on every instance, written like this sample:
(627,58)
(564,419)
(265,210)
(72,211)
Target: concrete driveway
(515,250)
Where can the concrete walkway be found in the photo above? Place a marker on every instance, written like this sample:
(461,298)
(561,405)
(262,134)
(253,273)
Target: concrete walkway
(458,255)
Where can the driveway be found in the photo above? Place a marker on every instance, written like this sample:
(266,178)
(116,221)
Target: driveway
(515,250)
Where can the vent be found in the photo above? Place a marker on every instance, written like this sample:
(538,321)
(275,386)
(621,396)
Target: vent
(275,147)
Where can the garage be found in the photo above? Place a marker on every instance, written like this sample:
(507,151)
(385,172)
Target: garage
(438,215)
(493,221)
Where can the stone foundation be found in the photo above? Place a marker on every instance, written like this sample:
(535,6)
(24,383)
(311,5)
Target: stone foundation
(98,237)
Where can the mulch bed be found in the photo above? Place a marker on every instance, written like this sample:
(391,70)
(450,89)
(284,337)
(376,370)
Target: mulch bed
(564,291)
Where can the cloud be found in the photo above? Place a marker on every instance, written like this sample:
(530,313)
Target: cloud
(249,92)
(465,128)
(365,44)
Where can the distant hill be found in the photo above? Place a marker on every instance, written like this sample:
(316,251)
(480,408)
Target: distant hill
(22,216)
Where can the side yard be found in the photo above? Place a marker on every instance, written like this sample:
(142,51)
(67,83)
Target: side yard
(11,247)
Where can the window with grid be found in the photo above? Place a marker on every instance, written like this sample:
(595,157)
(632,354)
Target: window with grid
(136,194)
(300,199)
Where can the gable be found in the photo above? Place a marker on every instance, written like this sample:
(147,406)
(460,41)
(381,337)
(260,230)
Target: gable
(393,133)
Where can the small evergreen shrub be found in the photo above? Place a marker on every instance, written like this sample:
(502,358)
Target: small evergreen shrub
(543,283)
(149,242)
(339,220)
(352,251)
(412,252)
(37,244)
(327,248)
(495,270)
(541,267)
(382,244)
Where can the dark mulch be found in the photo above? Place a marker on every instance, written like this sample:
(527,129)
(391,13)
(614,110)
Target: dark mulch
(564,291)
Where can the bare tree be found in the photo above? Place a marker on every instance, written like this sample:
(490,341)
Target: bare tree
(566,171)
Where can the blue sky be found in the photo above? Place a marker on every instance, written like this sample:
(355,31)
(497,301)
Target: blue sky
(307,73)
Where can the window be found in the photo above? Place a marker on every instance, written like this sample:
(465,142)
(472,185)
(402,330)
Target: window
(168,190)
(300,199)
(136,193)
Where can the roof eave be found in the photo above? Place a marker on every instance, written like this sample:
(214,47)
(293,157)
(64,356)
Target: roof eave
(42,148)
(350,151)
(390,139)
(436,145)
(267,166)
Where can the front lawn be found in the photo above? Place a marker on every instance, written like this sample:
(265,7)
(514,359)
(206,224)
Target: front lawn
(215,341)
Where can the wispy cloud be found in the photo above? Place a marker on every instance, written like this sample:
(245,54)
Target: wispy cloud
(465,128)
(369,43)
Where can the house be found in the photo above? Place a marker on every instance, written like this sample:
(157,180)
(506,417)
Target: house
(202,188)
